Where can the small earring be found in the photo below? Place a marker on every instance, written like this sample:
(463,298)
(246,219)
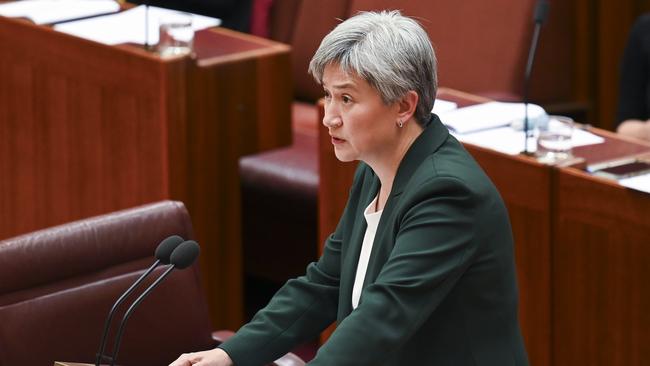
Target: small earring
(400,123)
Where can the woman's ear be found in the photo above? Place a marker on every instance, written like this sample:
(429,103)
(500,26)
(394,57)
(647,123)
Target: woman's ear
(408,105)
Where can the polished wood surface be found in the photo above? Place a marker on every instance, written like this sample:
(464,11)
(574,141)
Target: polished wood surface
(87,129)
(601,267)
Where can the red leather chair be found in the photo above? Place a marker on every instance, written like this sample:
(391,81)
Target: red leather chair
(58,284)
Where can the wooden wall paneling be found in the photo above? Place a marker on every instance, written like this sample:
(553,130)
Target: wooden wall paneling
(238,105)
(71,147)
(584,70)
(601,266)
(89,129)
(615,19)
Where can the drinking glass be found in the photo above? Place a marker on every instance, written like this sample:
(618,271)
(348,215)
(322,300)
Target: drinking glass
(176,35)
(554,143)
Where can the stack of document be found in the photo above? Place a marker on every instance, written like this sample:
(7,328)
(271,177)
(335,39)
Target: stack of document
(490,115)
(137,25)
(498,126)
(442,106)
(640,183)
(53,11)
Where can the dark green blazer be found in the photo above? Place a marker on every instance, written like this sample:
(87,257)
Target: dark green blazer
(440,288)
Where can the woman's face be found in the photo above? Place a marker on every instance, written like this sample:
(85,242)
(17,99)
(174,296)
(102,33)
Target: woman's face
(362,127)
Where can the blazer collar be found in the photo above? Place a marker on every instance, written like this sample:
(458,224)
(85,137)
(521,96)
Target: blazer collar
(434,134)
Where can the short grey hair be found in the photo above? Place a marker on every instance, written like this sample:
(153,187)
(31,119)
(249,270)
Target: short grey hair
(391,52)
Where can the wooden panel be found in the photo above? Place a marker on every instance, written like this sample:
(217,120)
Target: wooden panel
(601,266)
(87,129)
(63,134)
(237,108)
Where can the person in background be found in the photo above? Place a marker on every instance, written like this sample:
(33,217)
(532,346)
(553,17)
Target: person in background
(234,14)
(420,269)
(634,89)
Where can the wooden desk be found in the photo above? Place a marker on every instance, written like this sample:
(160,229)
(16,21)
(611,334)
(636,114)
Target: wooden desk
(600,268)
(550,210)
(87,128)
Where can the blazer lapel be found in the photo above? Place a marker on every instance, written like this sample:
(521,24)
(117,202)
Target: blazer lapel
(434,134)
(354,243)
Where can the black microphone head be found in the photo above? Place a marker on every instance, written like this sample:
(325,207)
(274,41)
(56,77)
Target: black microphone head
(541,11)
(166,247)
(186,253)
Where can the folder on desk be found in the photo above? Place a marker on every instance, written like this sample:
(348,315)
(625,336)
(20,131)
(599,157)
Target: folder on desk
(53,11)
(128,26)
(490,115)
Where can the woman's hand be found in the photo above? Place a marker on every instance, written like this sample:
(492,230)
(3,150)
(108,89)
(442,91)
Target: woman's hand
(213,357)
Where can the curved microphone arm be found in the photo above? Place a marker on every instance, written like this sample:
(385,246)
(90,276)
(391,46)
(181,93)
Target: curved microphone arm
(102,344)
(128,313)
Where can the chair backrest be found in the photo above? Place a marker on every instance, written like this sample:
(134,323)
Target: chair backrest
(303,24)
(481,45)
(57,286)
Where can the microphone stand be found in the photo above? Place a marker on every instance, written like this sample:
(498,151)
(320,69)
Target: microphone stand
(128,313)
(102,344)
(529,68)
(541,11)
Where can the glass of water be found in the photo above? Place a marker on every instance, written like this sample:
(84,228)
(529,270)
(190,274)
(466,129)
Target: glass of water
(554,143)
(176,34)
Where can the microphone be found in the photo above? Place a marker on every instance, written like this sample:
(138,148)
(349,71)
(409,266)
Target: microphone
(163,255)
(539,17)
(182,257)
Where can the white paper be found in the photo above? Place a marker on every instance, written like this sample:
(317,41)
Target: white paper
(442,106)
(640,182)
(510,141)
(489,115)
(52,11)
(129,26)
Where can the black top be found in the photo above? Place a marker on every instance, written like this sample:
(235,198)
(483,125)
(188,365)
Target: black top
(235,14)
(634,88)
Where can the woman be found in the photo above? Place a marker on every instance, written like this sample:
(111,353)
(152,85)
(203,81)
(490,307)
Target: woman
(420,269)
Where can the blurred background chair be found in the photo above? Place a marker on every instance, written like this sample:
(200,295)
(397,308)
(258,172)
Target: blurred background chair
(58,284)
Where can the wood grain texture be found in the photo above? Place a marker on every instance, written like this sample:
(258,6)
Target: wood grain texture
(601,266)
(87,129)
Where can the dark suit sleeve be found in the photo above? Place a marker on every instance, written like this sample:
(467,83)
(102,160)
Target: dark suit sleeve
(634,77)
(298,312)
(433,248)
